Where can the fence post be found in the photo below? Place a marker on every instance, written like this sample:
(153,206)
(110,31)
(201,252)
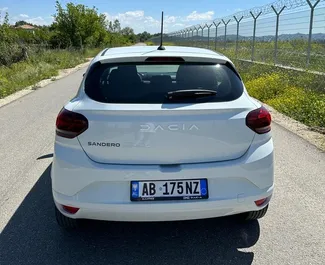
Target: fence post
(182,40)
(312,9)
(226,24)
(209,35)
(216,36)
(199,40)
(203,44)
(254,33)
(188,36)
(192,34)
(237,38)
(277,32)
(197,35)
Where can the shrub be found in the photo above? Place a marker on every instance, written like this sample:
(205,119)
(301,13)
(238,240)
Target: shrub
(266,87)
(305,106)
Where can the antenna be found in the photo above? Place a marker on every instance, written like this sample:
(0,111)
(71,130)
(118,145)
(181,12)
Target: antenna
(161,47)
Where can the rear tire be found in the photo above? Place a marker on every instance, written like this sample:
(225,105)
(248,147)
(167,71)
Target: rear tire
(254,215)
(64,221)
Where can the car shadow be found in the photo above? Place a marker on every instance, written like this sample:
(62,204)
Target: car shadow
(33,237)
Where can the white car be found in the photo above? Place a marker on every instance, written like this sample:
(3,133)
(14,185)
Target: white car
(161,135)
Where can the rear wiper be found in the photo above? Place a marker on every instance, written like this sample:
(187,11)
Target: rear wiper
(190,93)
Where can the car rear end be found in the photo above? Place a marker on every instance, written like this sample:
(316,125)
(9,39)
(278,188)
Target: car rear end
(143,141)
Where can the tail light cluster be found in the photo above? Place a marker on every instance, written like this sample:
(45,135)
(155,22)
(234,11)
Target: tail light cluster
(70,124)
(259,120)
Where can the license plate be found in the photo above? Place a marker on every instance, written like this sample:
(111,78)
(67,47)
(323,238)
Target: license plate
(169,190)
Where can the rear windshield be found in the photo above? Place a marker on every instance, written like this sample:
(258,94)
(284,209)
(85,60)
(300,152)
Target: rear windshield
(150,83)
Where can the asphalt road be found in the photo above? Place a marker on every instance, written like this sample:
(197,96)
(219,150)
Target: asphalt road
(292,233)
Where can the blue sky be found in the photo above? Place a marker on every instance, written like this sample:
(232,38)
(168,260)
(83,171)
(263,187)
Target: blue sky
(138,14)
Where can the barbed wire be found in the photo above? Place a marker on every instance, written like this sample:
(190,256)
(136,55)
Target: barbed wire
(262,10)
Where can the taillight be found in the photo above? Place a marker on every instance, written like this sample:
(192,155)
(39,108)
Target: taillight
(259,120)
(70,124)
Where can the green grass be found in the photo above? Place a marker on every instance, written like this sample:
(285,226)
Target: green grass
(39,66)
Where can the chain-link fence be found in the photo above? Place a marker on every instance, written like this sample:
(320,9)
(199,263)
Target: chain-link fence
(288,33)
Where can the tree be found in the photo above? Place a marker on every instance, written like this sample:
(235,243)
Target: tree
(6,34)
(79,26)
(116,26)
(127,31)
(129,34)
(144,36)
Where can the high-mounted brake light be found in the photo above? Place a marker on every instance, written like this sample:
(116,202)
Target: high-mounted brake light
(164,59)
(70,124)
(259,120)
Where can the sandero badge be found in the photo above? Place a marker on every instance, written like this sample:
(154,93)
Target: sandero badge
(102,144)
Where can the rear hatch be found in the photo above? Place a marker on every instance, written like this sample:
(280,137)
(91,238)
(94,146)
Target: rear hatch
(132,120)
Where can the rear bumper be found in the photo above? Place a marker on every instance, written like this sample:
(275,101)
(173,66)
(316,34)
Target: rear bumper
(166,211)
(102,191)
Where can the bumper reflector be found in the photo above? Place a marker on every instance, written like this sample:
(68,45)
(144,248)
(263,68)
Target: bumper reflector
(70,209)
(261,202)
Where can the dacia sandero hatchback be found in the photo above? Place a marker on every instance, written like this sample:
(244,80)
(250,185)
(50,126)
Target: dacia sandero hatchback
(161,135)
